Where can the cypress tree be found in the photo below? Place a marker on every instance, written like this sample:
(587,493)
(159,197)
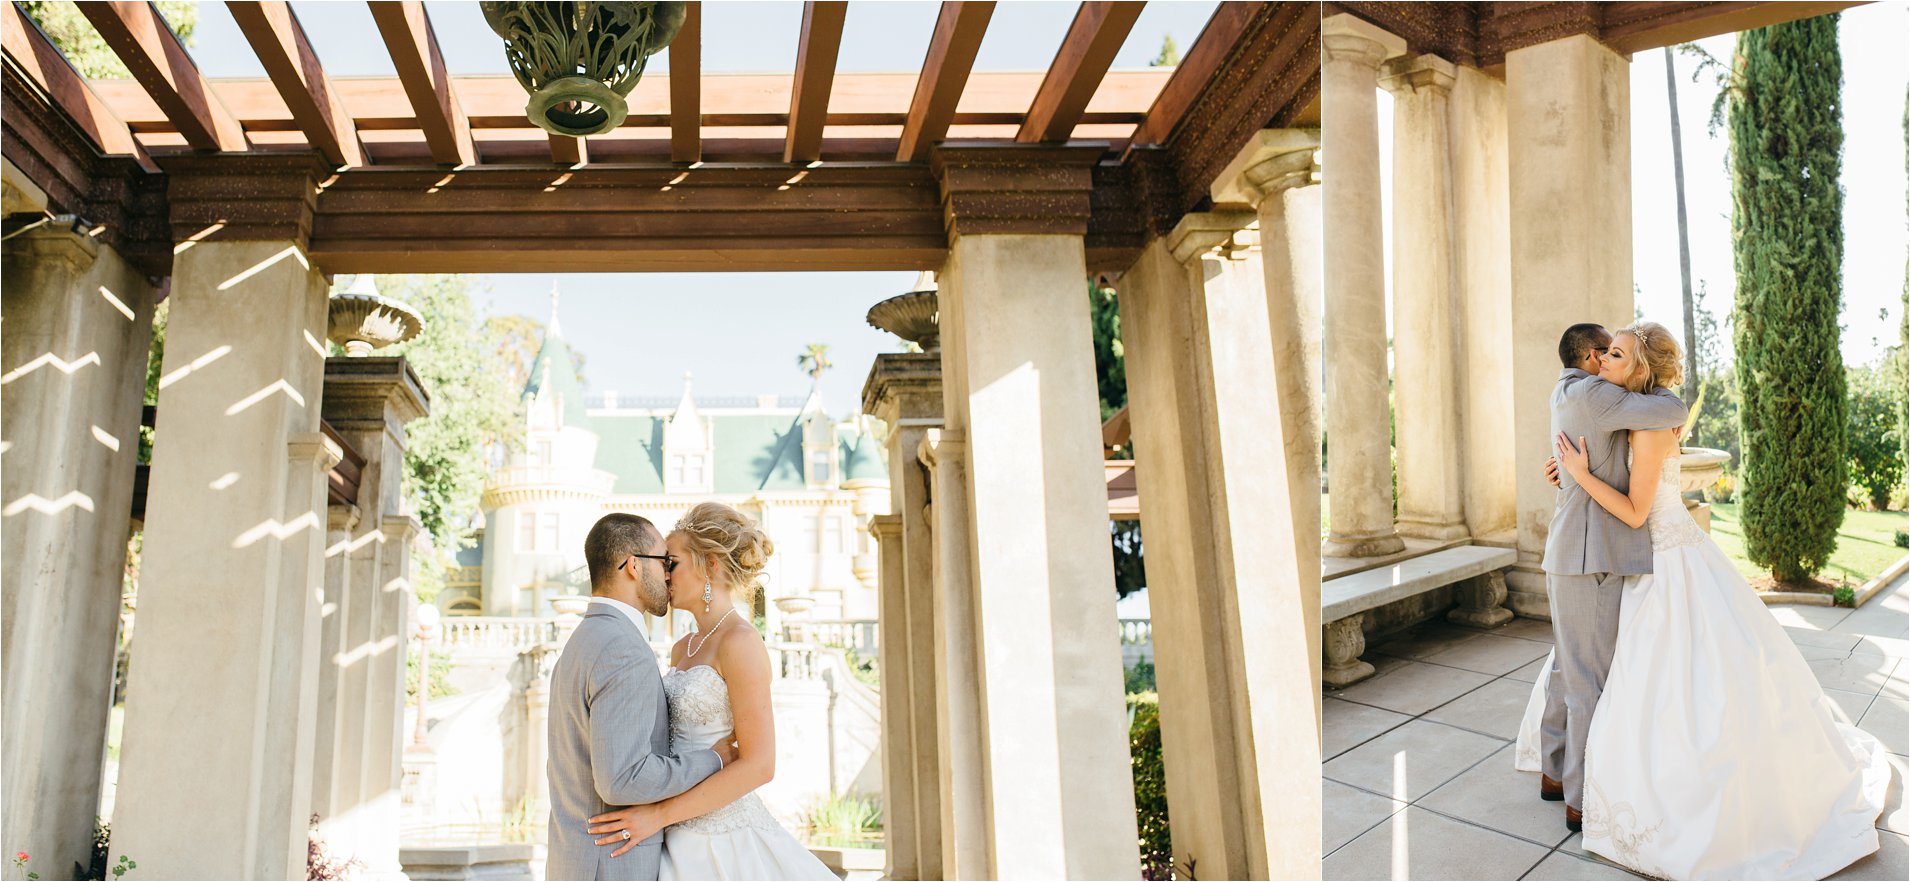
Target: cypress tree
(1786,124)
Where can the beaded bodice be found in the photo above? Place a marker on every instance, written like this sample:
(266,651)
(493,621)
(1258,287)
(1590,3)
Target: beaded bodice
(1670,523)
(699,715)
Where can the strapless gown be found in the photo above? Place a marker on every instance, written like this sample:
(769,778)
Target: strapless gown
(741,840)
(1714,753)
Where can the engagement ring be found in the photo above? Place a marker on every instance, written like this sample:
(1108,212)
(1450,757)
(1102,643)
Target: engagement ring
(626,834)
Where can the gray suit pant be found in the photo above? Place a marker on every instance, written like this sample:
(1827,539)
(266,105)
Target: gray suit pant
(1585,633)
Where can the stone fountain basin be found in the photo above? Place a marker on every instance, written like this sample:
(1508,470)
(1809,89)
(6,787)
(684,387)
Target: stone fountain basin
(1700,467)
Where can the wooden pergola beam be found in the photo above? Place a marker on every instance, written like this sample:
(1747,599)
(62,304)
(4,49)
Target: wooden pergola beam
(951,57)
(1196,69)
(32,54)
(420,64)
(152,53)
(1093,39)
(293,67)
(566,150)
(815,76)
(686,87)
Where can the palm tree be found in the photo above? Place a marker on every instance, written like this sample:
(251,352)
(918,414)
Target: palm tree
(1684,238)
(814,360)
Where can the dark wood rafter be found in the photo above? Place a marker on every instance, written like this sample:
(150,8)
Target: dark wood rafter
(822,22)
(566,150)
(1271,76)
(686,87)
(125,201)
(1215,43)
(1480,34)
(959,29)
(413,46)
(40,63)
(153,54)
(281,45)
(1086,53)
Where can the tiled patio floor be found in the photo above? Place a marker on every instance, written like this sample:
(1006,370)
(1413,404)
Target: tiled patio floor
(1419,781)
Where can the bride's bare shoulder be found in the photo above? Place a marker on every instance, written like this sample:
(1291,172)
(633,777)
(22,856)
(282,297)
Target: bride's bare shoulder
(741,648)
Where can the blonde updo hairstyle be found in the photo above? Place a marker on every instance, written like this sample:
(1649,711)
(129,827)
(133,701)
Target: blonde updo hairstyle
(1662,359)
(716,532)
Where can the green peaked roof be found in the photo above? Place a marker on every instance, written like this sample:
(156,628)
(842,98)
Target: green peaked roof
(861,458)
(554,372)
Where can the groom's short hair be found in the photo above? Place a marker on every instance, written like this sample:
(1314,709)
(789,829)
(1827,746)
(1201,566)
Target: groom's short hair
(1580,339)
(614,537)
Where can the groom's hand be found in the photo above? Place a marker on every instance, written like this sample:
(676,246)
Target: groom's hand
(1552,470)
(726,749)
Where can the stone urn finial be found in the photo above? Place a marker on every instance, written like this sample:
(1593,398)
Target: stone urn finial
(363,320)
(913,316)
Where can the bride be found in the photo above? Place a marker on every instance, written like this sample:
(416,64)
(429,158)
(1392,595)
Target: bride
(718,683)
(1713,753)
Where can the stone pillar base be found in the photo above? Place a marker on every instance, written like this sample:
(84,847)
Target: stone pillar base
(1480,600)
(1363,546)
(1344,643)
(1526,593)
(1435,531)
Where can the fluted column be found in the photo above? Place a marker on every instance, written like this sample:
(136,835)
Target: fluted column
(77,321)
(1568,125)
(1426,341)
(1359,462)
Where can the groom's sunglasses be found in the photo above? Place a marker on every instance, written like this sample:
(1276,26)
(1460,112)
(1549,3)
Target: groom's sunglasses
(669,563)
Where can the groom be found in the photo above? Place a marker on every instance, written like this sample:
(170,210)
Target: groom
(609,721)
(1589,552)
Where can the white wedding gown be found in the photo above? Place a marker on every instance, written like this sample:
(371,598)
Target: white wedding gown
(741,840)
(1713,753)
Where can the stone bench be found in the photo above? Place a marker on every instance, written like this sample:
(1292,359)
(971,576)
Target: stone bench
(1345,600)
(498,861)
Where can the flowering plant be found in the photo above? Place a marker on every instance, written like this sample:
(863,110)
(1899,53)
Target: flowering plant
(20,859)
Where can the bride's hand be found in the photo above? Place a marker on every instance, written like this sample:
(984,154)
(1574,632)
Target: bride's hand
(1572,457)
(627,827)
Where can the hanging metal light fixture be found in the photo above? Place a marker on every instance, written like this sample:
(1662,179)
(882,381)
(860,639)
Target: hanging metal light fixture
(579,60)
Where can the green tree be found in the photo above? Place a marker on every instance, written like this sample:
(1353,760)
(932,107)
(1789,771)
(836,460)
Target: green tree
(1874,435)
(1786,125)
(1110,372)
(1717,384)
(82,45)
(1169,55)
(518,339)
(472,407)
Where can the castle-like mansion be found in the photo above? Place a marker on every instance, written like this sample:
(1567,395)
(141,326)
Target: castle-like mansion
(811,480)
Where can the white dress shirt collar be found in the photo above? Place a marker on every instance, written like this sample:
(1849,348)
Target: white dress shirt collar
(629,612)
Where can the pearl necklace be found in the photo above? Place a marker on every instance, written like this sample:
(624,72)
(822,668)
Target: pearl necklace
(696,645)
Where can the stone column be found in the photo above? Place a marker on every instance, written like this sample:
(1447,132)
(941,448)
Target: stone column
(1234,581)
(1054,720)
(226,523)
(1482,249)
(1426,342)
(904,390)
(77,323)
(1359,464)
(899,816)
(331,712)
(1568,124)
(967,852)
(369,401)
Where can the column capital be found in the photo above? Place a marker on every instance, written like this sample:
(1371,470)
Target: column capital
(57,240)
(1351,38)
(398,528)
(222,197)
(1015,188)
(1230,232)
(371,393)
(940,444)
(1409,74)
(340,518)
(885,526)
(315,448)
(1272,161)
(904,386)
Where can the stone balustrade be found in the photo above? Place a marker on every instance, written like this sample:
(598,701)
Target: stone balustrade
(501,633)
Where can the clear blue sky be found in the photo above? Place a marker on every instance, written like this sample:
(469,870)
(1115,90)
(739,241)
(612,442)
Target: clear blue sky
(738,333)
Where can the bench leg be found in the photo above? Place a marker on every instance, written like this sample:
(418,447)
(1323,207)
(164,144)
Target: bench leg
(1344,643)
(1481,602)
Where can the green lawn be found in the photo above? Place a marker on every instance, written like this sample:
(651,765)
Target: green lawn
(1864,544)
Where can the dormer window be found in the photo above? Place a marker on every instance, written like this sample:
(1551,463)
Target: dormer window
(820,463)
(687,470)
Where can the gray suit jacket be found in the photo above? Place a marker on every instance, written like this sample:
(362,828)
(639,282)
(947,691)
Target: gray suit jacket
(1585,538)
(610,747)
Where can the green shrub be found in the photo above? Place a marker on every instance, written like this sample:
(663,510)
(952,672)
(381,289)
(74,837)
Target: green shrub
(1902,538)
(1844,596)
(1140,678)
(1874,445)
(440,676)
(843,820)
(1150,786)
(864,669)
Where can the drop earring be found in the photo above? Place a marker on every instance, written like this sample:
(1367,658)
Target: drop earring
(706,596)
